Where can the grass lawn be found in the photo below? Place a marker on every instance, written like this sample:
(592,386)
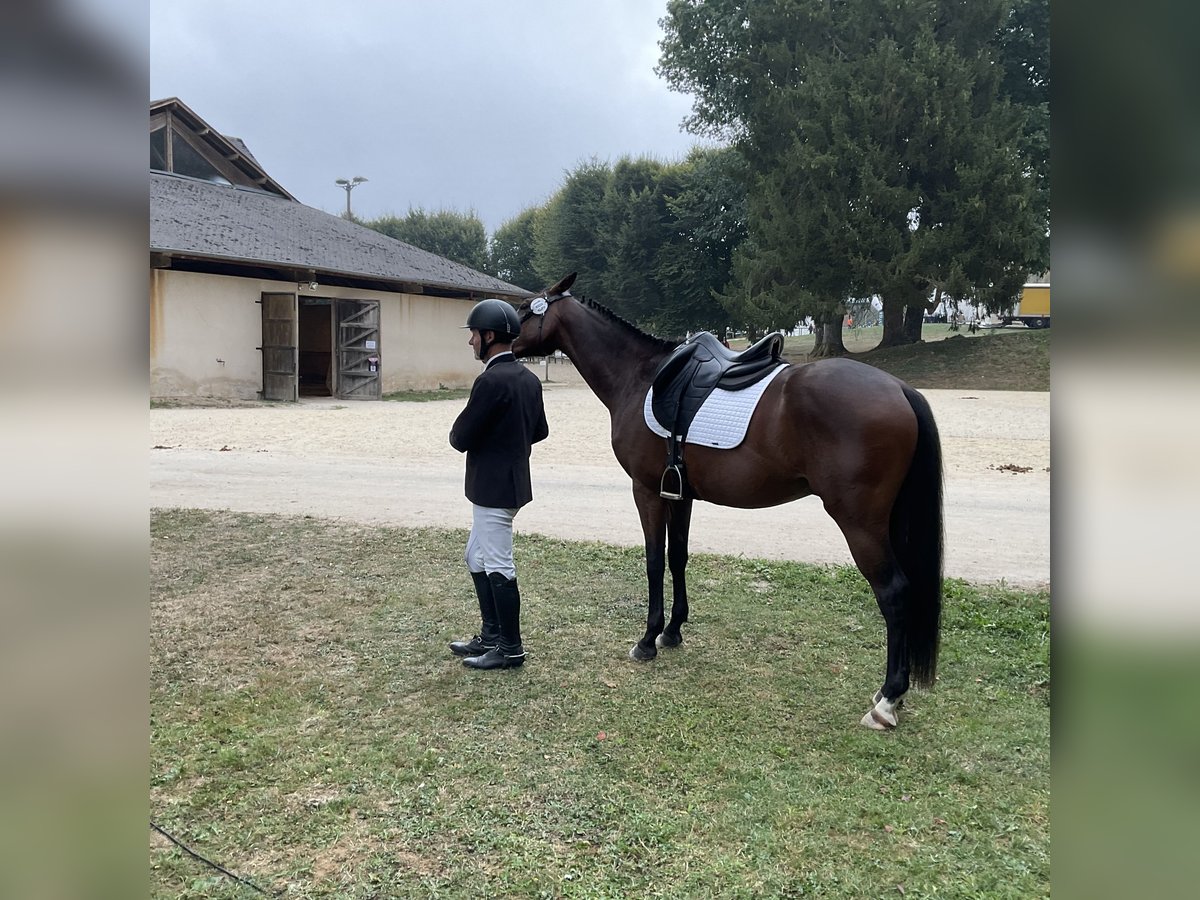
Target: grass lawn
(311,732)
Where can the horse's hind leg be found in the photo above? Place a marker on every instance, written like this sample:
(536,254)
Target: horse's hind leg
(872,552)
(679,521)
(887,700)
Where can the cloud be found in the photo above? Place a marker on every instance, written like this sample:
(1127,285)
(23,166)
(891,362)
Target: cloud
(456,105)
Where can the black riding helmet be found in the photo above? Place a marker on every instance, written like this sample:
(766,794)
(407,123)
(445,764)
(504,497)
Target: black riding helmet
(494,315)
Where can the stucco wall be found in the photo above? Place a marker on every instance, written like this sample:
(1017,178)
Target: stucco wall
(205,331)
(424,344)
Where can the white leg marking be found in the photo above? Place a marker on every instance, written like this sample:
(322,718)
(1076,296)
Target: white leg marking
(882,716)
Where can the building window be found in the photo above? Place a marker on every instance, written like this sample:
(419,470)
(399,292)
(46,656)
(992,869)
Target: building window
(158,150)
(187,161)
(181,157)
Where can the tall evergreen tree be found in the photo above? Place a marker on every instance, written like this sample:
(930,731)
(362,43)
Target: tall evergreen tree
(637,223)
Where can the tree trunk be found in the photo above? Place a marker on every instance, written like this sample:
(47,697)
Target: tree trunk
(914,317)
(829,336)
(893,323)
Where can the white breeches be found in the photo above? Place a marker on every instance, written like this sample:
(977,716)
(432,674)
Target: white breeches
(490,546)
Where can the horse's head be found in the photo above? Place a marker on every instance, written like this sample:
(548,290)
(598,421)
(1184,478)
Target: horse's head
(539,321)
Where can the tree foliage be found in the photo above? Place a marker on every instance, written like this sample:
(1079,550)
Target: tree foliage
(456,236)
(650,239)
(568,234)
(885,156)
(637,222)
(695,262)
(512,251)
(1025,56)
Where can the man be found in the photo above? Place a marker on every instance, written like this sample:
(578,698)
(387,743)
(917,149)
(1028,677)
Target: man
(503,418)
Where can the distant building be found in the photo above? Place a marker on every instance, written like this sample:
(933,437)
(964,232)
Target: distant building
(255,295)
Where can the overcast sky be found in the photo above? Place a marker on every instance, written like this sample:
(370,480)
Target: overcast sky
(441,104)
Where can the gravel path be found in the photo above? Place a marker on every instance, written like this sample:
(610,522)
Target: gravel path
(390,463)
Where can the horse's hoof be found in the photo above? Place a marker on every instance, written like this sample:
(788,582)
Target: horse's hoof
(877,722)
(641,654)
(881,716)
(664,641)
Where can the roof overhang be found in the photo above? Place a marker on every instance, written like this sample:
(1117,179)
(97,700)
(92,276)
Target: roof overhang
(256,268)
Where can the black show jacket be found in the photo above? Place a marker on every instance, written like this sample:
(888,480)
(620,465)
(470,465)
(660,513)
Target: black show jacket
(503,418)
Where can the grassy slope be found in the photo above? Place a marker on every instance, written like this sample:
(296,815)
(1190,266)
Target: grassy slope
(1008,360)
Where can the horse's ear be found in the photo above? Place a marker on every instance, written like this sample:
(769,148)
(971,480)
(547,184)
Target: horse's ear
(561,287)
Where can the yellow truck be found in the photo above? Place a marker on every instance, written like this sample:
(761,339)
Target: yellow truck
(1033,309)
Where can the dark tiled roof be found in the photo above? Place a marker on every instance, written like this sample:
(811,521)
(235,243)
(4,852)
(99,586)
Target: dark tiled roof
(218,222)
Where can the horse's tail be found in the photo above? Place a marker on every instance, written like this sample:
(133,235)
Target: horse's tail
(917,539)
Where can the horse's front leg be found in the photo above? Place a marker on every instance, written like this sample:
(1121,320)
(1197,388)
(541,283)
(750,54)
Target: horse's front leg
(652,510)
(679,521)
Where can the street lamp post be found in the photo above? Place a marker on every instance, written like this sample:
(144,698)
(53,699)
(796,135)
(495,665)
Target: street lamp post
(349,184)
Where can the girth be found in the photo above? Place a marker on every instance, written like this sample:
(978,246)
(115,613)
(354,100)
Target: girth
(685,379)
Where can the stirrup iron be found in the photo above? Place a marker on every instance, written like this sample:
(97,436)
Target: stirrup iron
(665,486)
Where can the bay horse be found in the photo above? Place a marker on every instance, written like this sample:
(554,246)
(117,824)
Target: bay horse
(863,441)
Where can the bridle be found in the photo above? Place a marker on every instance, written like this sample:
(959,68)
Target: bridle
(539,306)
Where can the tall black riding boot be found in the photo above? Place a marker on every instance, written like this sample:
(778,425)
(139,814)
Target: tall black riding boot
(509,653)
(489,632)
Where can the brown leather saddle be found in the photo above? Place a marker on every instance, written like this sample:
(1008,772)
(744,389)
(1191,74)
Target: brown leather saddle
(688,375)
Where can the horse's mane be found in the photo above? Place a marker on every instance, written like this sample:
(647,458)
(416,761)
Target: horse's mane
(662,343)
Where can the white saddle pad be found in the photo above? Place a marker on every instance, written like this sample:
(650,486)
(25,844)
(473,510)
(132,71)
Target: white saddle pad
(723,419)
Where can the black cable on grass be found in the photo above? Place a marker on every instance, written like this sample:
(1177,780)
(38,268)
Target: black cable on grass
(208,862)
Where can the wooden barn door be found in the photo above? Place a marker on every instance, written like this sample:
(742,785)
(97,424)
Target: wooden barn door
(279,346)
(358,357)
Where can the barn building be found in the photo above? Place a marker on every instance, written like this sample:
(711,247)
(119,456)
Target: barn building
(254,295)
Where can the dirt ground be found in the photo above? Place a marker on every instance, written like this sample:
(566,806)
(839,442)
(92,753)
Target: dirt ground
(389,463)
